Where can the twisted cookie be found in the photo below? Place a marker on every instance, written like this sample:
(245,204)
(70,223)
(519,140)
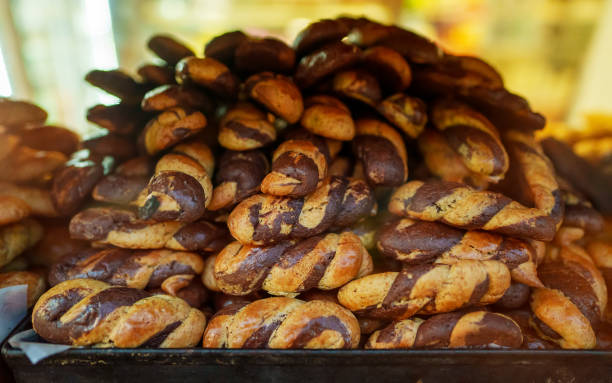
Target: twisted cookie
(12,209)
(571,307)
(407,113)
(181,187)
(426,289)
(298,167)
(122,228)
(461,206)
(461,329)
(125,183)
(264,219)
(245,127)
(282,323)
(169,128)
(380,153)
(324,261)
(473,137)
(239,176)
(86,312)
(415,242)
(328,117)
(173,272)
(601,253)
(277,93)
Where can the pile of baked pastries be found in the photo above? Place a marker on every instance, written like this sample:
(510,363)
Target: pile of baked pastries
(361,188)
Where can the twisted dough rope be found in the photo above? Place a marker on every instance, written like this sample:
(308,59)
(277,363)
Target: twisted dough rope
(569,310)
(17,237)
(264,219)
(245,127)
(461,329)
(34,280)
(325,262)
(169,128)
(283,323)
(86,312)
(473,138)
(298,168)
(426,289)
(181,187)
(461,206)
(173,272)
(415,242)
(122,228)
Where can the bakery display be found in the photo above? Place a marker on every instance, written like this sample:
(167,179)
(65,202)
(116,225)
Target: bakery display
(362,188)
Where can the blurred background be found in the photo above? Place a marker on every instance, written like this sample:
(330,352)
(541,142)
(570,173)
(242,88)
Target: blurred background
(556,53)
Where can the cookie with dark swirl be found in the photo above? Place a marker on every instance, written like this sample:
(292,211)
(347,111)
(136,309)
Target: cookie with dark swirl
(283,323)
(87,312)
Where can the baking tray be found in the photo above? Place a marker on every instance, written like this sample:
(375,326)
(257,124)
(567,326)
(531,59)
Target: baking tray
(407,366)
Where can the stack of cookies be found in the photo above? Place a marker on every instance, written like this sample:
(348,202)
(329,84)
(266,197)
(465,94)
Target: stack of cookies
(360,188)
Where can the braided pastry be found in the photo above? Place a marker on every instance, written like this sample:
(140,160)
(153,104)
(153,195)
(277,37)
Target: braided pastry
(329,147)
(223,47)
(54,244)
(461,329)
(415,242)
(380,152)
(298,167)
(405,112)
(17,114)
(86,312)
(473,137)
(461,206)
(49,138)
(264,219)
(244,127)
(531,339)
(282,323)
(328,117)
(426,289)
(111,145)
(325,262)
(35,282)
(444,162)
(173,272)
(570,308)
(169,128)
(122,228)
(325,61)
(578,210)
(389,67)
(277,93)
(181,187)
(156,75)
(319,33)
(16,238)
(239,176)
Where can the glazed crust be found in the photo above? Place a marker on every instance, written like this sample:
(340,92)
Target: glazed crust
(264,219)
(416,242)
(461,329)
(283,323)
(473,137)
(406,113)
(298,168)
(173,272)
(426,289)
(169,128)
(181,187)
(380,152)
(122,228)
(239,176)
(245,127)
(325,262)
(86,312)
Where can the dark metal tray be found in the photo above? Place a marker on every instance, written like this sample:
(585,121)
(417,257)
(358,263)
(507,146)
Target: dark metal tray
(202,365)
